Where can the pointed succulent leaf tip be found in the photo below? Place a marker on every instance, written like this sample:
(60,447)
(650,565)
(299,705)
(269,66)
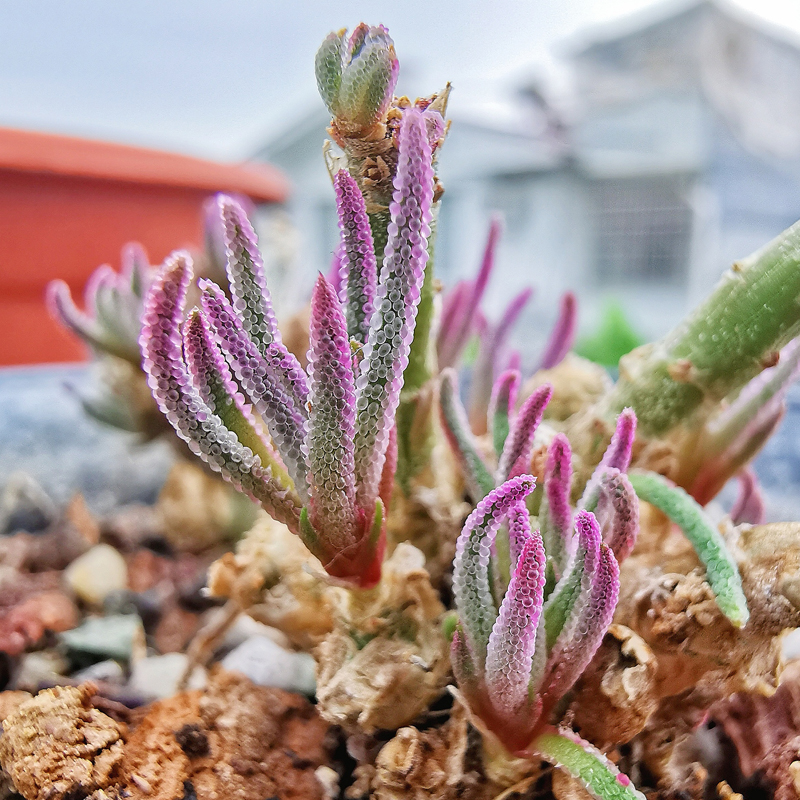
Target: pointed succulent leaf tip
(490,352)
(617,511)
(181,403)
(261,379)
(555,516)
(563,334)
(465,448)
(568,595)
(501,407)
(471,581)
(519,444)
(722,572)
(358,263)
(331,422)
(246,276)
(617,455)
(585,629)
(392,327)
(595,771)
(212,380)
(461,325)
(749,504)
(509,654)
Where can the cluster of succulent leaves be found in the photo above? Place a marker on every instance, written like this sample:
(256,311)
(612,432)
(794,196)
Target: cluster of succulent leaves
(317,449)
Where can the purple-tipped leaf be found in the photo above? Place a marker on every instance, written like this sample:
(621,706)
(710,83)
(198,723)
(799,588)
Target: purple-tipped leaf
(245,267)
(471,567)
(563,334)
(519,531)
(501,407)
(592,616)
(560,609)
(519,444)
(555,515)
(263,379)
(617,512)
(357,256)
(749,505)
(212,380)
(509,654)
(458,324)
(181,403)
(617,455)
(488,363)
(465,448)
(331,421)
(392,328)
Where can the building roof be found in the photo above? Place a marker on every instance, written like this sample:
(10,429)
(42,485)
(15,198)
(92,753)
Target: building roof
(28,151)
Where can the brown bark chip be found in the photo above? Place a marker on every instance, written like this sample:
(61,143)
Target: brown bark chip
(56,745)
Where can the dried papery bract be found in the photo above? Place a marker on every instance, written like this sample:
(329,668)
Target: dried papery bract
(514,663)
(332,428)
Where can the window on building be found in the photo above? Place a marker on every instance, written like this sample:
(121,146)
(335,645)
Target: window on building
(643,230)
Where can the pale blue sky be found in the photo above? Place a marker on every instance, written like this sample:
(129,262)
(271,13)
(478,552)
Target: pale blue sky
(215,77)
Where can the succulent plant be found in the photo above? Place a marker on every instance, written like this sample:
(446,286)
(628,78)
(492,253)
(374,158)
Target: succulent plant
(514,663)
(331,428)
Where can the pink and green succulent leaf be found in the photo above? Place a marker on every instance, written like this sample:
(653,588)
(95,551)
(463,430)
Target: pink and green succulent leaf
(213,381)
(246,276)
(477,476)
(616,507)
(555,515)
(357,256)
(391,331)
(519,531)
(459,324)
(181,403)
(501,407)
(722,572)
(356,77)
(736,434)
(749,505)
(331,422)
(515,458)
(509,653)
(563,334)
(467,673)
(584,630)
(454,306)
(263,379)
(490,352)
(114,303)
(571,591)
(617,455)
(595,771)
(471,567)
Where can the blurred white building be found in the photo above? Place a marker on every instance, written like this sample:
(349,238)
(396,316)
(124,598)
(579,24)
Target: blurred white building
(679,152)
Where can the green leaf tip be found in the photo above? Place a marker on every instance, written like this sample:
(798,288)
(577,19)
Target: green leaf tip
(599,776)
(722,573)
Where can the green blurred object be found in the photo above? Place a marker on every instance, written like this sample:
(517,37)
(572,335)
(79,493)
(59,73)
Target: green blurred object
(614,338)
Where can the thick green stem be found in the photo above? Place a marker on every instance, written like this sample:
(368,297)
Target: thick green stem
(727,340)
